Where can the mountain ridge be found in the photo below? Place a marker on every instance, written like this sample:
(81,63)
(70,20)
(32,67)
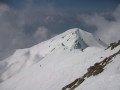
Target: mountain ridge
(71,39)
(55,63)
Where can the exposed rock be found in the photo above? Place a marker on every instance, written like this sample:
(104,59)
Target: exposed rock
(113,45)
(96,69)
(74,84)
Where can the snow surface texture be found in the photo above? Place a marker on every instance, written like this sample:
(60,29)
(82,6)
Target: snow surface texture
(55,63)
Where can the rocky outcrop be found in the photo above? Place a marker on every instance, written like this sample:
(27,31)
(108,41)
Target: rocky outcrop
(113,45)
(96,69)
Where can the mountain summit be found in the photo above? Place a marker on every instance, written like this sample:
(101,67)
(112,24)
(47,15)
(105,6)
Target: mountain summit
(55,63)
(76,38)
(23,58)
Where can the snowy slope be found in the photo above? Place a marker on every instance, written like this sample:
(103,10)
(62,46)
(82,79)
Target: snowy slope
(55,63)
(23,58)
(109,79)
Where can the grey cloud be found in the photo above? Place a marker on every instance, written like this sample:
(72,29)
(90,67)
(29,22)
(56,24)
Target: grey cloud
(116,13)
(20,29)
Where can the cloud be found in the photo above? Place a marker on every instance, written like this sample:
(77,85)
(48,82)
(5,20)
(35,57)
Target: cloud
(3,9)
(116,13)
(42,33)
(29,25)
(21,28)
(107,29)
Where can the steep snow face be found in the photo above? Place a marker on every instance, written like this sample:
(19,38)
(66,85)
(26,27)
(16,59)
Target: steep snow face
(24,58)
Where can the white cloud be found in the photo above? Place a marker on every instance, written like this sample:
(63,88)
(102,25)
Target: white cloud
(41,34)
(107,30)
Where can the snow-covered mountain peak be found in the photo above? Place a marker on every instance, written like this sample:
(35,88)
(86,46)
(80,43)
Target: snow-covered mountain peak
(23,58)
(71,39)
(75,38)
(59,64)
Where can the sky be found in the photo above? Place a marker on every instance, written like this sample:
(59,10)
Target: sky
(24,23)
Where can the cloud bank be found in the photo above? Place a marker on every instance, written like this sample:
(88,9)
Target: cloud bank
(20,29)
(107,29)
